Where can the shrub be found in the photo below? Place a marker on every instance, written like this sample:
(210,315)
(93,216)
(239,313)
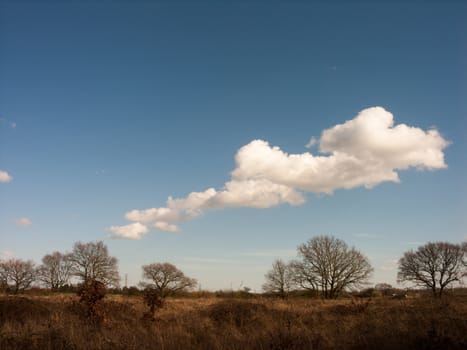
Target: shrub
(90,294)
(153,300)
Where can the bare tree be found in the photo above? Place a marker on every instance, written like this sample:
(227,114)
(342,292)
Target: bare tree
(55,271)
(433,265)
(91,262)
(303,275)
(328,265)
(17,274)
(166,279)
(278,279)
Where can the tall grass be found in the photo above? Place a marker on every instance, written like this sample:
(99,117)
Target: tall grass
(58,322)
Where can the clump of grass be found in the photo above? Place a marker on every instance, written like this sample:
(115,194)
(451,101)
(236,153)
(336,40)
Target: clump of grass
(20,309)
(237,313)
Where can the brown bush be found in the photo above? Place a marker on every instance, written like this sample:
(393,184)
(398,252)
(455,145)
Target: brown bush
(90,295)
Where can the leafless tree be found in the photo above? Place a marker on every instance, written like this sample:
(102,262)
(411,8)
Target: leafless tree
(328,265)
(434,265)
(91,262)
(166,279)
(303,275)
(55,271)
(278,279)
(17,274)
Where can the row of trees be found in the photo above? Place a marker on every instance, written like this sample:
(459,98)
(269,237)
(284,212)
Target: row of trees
(328,266)
(88,263)
(325,265)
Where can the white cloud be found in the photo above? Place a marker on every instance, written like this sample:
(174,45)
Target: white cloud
(255,193)
(23,222)
(5,177)
(364,151)
(164,226)
(372,136)
(130,231)
(313,141)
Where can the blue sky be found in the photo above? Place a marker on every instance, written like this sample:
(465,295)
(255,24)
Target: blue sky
(112,106)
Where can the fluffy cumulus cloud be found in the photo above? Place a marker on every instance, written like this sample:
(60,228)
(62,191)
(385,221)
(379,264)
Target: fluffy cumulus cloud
(364,151)
(23,222)
(5,177)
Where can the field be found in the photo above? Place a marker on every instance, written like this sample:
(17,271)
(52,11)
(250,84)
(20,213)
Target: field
(59,322)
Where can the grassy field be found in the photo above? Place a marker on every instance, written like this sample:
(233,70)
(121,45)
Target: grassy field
(59,322)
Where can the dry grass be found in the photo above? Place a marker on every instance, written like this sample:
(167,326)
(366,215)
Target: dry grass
(57,322)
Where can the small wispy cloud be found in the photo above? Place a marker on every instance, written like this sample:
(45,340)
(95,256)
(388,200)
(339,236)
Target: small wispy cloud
(313,141)
(23,222)
(5,177)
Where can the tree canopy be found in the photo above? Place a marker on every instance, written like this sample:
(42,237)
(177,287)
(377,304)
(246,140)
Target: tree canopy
(328,265)
(92,262)
(17,274)
(55,271)
(278,279)
(166,279)
(434,265)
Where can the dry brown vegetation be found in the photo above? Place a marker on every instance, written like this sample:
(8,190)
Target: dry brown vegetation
(59,322)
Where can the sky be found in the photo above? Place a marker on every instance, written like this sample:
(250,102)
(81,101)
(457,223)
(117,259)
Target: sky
(220,135)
